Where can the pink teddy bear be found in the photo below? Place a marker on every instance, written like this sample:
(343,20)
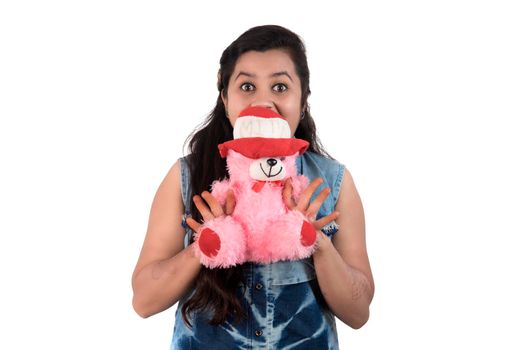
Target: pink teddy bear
(262,229)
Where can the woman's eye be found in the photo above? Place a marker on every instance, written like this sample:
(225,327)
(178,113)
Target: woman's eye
(282,158)
(247,87)
(280,87)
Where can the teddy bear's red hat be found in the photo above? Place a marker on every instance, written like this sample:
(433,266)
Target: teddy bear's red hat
(261,132)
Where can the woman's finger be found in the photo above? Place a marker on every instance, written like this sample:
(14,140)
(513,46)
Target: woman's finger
(303,202)
(195,226)
(287,195)
(215,207)
(230,202)
(203,208)
(325,220)
(315,205)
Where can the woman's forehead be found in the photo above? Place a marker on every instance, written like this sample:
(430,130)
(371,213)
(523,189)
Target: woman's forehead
(255,63)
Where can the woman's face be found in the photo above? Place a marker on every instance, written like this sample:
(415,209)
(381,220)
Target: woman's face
(267,79)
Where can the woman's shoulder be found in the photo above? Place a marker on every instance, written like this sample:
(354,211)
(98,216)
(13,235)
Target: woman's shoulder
(315,165)
(332,172)
(321,160)
(182,168)
(183,161)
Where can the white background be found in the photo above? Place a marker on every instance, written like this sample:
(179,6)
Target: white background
(422,101)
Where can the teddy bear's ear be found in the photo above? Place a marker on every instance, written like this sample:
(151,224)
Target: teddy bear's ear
(238,165)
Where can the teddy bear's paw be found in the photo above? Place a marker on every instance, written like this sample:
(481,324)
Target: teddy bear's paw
(308,234)
(221,243)
(209,242)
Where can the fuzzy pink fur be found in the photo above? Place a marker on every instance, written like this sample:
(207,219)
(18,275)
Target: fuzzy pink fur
(261,228)
(232,242)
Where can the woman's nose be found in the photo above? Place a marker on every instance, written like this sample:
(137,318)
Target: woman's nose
(263,99)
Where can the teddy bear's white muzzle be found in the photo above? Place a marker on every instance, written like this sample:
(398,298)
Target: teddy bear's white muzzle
(267,169)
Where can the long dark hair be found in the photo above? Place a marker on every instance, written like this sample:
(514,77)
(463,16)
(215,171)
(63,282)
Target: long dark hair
(215,289)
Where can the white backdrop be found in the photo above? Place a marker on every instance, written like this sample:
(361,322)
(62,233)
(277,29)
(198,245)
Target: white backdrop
(420,100)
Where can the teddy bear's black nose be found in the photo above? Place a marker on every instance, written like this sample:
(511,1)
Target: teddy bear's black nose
(271,162)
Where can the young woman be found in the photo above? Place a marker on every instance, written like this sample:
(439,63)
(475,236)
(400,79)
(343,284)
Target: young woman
(283,305)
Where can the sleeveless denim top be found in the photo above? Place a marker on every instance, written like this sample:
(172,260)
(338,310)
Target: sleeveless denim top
(285,307)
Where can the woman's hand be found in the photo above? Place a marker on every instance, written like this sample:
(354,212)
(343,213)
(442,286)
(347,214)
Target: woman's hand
(310,210)
(209,208)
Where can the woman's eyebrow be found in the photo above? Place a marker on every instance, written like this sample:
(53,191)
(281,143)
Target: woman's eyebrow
(282,73)
(246,74)
(276,74)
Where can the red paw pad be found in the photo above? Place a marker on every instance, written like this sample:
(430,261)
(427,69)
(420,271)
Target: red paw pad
(209,242)
(308,235)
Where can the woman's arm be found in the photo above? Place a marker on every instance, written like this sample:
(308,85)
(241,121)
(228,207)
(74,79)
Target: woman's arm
(342,265)
(165,270)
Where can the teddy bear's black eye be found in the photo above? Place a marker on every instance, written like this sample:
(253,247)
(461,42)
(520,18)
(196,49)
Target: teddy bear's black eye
(282,158)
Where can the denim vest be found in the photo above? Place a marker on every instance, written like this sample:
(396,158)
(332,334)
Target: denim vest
(283,301)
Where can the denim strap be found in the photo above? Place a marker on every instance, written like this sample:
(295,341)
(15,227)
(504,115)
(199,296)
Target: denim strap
(186,197)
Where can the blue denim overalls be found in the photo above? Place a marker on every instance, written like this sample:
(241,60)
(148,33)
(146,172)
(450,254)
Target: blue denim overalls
(284,304)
